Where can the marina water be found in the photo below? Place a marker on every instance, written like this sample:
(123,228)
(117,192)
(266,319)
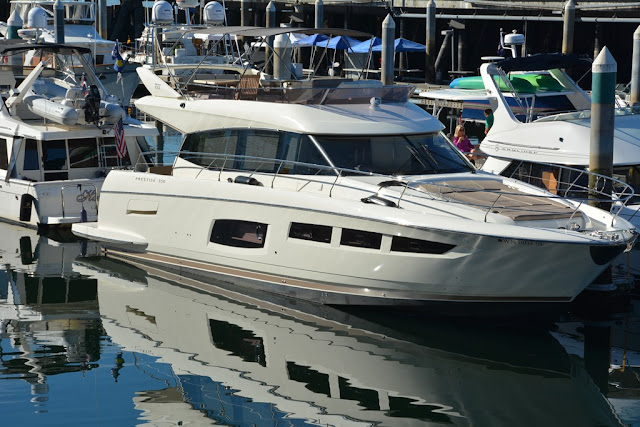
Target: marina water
(89,340)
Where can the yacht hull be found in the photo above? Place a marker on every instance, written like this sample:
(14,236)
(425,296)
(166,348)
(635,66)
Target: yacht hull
(168,221)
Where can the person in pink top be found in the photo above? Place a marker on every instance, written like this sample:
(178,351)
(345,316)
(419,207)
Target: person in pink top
(461,140)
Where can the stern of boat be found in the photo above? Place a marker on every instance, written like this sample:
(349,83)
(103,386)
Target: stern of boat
(66,202)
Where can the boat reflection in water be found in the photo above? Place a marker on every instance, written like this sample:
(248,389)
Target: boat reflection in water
(240,359)
(49,313)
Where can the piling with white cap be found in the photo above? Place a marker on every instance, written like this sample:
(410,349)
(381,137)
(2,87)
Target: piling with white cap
(388,39)
(603,92)
(635,69)
(271,23)
(14,23)
(568,26)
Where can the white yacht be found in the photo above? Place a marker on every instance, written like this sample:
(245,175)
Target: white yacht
(344,192)
(57,139)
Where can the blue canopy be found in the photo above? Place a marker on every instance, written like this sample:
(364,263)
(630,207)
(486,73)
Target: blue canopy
(340,43)
(404,45)
(400,45)
(363,47)
(311,40)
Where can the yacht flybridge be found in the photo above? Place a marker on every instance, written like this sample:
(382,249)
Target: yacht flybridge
(57,139)
(344,192)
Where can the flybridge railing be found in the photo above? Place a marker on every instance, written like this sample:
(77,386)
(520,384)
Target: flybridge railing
(345,92)
(391,190)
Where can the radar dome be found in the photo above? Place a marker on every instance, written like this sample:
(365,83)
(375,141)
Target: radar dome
(162,13)
(214,13)
(514,39)
(186,4)
(37,18)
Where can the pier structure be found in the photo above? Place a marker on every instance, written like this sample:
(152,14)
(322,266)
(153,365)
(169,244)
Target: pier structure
(471,27)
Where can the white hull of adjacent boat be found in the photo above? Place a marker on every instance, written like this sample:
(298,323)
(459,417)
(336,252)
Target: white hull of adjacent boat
(168,221)
(49,203)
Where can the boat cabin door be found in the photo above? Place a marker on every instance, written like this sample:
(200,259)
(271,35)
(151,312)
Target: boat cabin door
(55,162)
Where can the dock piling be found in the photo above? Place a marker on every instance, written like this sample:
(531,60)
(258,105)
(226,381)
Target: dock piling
(429,71)
(634,97)
(270,12)
(388,38)
(58,21)
(603,69)
(319,14)
(102,19)
(568,27)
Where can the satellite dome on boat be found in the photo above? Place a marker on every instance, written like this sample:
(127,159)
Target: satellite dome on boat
(162,13)
(186,4)
(514,39)
(214,13)
(37,18)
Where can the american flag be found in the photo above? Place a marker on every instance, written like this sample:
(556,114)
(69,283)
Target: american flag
(121,146)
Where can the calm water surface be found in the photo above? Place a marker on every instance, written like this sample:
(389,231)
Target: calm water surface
(87,340)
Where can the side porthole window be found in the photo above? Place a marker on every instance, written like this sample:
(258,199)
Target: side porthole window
(360,239)
(316,233)
(405,244)
(239,234)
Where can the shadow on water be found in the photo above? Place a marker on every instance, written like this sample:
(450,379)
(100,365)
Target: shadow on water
(176,349)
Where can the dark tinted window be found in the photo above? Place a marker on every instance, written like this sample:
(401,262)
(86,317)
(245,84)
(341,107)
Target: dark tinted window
(405,244)
(317,233)
(360,239)
(83,153)
(227,148)
(54,155)
(4,159)
(394,155)
(241,234)
(31,162)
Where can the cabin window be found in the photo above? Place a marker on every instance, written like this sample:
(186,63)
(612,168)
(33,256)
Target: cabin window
(360,239)
(240,234)
(31,162)
(83,153)
(209,148)
(405,244)
(54,155)
(394,155)
(4,158)
(314,232)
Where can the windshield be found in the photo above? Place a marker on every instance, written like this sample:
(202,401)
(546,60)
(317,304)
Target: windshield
(394,155)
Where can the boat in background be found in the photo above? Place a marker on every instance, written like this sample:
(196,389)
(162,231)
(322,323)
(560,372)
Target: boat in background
(36,20)
(273,184)
(58,140)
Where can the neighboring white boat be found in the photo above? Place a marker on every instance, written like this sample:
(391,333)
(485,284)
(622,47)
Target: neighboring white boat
(344,192)
(298,363)
(57,139)
(526,137)
(80,30)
